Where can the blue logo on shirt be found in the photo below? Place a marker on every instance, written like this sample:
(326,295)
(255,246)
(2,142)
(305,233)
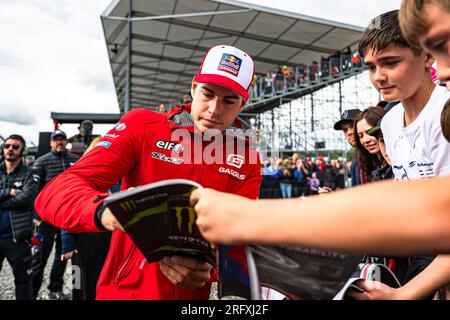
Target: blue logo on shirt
(104,144)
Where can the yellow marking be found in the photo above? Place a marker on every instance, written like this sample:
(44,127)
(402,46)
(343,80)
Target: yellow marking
(191,219)
(162,208)
(178,211)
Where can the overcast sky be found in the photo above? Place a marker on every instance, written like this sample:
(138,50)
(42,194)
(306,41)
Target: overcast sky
(53,57)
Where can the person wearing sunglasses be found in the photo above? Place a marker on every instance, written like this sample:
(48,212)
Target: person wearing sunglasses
(47,167)
(18,189)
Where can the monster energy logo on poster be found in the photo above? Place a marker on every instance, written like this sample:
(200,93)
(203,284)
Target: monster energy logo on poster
(160,221)
(128,205)
(179,215)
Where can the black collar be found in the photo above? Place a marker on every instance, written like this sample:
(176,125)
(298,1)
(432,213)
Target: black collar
(3,167)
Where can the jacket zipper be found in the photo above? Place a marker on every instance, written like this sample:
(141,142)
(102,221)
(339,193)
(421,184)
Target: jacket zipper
(202,167)
(63,163)
(119,274)
(10,219)
(12,227)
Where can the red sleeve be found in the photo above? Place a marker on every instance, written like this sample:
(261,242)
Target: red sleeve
(70,200)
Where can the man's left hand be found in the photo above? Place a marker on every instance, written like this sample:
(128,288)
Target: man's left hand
(68,255)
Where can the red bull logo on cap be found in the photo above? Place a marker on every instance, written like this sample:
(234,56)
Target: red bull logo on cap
(230,63)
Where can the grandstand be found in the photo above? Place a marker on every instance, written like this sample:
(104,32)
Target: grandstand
(155,48)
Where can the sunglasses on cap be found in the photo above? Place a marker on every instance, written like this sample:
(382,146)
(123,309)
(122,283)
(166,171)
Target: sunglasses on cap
(6,146)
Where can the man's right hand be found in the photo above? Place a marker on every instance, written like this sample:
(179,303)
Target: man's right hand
(110,222)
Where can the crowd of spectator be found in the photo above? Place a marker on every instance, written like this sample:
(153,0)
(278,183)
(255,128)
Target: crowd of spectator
(285,78)
(298,176)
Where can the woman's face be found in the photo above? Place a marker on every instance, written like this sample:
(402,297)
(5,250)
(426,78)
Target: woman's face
(368,142)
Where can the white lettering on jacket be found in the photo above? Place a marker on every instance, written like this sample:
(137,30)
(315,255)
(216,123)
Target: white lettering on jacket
(232,173)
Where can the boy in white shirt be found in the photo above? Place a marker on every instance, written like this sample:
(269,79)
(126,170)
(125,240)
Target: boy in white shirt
(402,222)
(418,150)
(400,71)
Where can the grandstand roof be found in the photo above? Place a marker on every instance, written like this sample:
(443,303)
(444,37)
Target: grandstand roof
(80,117)
(170,38)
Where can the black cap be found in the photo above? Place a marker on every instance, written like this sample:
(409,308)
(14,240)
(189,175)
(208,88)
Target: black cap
(348,115)
(390,105)
(58,133)
(387,106)
(382,104)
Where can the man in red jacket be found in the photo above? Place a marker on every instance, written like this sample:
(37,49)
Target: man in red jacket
(147,146)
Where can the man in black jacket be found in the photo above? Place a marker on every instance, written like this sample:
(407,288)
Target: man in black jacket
(18,189)
(47,167)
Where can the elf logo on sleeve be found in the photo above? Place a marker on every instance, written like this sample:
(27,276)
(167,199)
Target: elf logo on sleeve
(167,145)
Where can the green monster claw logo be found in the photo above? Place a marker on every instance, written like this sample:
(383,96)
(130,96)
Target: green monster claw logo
(192,216)
(128,206)
(162,208)
(178,211)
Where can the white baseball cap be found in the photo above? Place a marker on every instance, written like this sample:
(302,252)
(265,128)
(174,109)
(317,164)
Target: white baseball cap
(229,67)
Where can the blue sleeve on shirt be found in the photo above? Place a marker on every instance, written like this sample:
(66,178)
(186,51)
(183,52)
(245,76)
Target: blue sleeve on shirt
(354,172)
(67,242)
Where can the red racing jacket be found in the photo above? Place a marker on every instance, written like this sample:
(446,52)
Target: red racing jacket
(145,147)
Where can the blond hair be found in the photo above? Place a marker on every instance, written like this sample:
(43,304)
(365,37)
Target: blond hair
(412,22)
(92,144)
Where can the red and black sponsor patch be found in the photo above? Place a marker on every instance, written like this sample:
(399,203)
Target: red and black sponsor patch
(230,63)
